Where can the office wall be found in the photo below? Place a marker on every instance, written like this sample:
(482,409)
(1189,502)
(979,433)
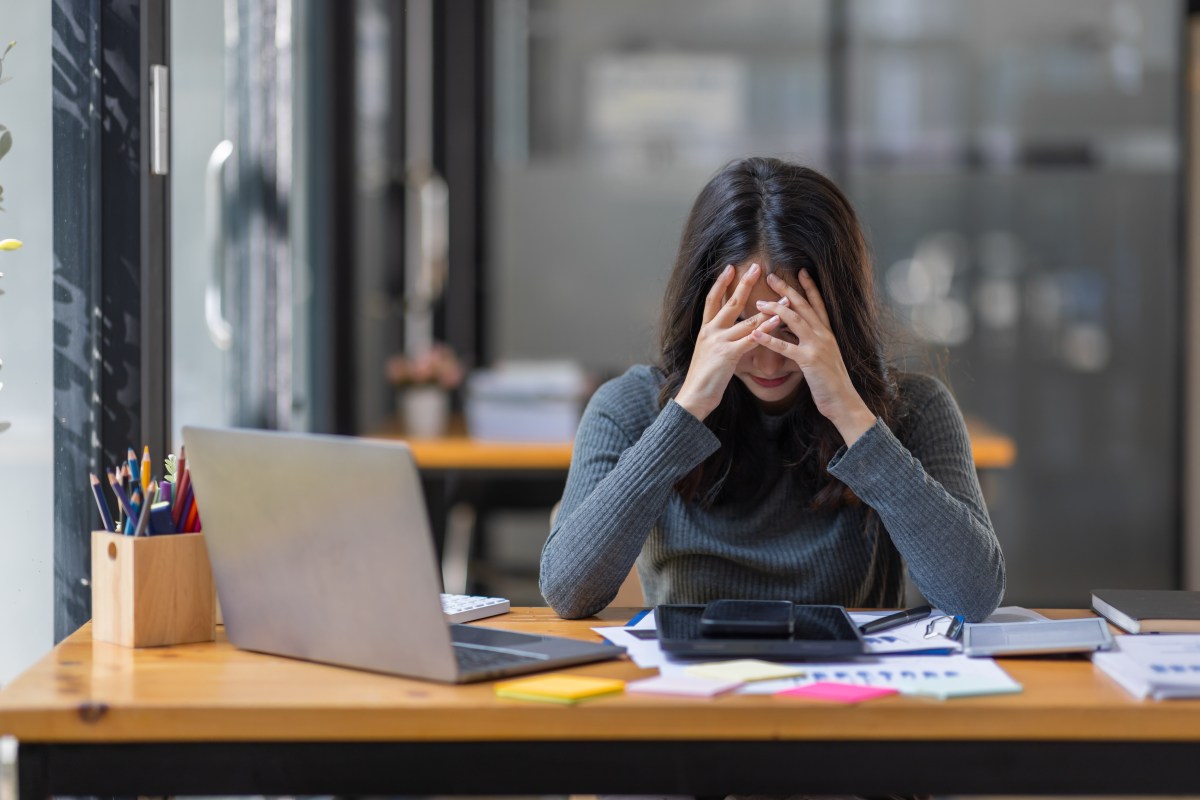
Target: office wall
(26,341)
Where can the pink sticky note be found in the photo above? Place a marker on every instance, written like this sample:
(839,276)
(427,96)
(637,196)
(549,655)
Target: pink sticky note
(837,692)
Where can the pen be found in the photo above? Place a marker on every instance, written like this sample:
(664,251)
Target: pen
(104,514)
(895,620)
(954,632)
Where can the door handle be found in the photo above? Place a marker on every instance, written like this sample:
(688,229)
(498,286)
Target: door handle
(219,329)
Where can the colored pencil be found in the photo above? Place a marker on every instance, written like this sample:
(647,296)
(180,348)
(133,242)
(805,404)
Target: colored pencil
(131,461)
(146,470)
(105,516)
(123,501)
(143,525)
(183,484)
(193,518)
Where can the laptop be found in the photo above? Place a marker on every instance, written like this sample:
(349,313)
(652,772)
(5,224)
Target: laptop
(321,550)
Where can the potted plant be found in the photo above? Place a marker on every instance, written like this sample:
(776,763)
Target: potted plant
(423,384)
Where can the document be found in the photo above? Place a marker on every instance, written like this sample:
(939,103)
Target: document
(1159,666)
(932,676)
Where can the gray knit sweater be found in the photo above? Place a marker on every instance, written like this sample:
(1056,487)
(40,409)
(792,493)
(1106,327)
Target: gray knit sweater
(620,506)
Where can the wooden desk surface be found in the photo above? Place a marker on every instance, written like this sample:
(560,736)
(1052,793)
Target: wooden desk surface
(990,449)
(85,691)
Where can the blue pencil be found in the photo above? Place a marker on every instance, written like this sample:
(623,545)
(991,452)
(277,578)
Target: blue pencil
(102,504)
(130,517)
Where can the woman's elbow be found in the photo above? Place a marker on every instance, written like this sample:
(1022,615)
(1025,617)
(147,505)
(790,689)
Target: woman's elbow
(985,602)
(566,600)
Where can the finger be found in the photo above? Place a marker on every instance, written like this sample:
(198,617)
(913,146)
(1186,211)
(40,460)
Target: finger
(814,297)
(797,300)
(765,339)
(749,342)
(729,312)
(716,294)
(796,323)
(743,327)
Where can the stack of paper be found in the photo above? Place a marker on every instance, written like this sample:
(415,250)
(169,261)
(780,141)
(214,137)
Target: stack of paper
(1159,666)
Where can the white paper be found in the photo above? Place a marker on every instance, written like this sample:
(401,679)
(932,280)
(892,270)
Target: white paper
(934,676)
(1160,666)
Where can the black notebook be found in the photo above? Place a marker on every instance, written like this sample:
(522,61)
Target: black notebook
(1149,610)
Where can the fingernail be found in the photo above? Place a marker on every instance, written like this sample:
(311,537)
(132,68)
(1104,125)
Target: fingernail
(728,269)
(753,270)
(761,304)
(783,301)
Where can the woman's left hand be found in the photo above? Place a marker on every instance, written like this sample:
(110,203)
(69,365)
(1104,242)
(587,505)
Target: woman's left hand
(816,352)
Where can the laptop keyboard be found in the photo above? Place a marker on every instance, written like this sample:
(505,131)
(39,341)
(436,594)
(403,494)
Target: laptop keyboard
(468,607)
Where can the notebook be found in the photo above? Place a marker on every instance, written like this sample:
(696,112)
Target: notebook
(321,550)
(1149,610)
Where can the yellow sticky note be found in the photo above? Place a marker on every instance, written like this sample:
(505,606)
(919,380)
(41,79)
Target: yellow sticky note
(745,670)
(558,688)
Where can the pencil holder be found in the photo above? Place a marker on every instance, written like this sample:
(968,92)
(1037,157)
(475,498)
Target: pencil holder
(151,590)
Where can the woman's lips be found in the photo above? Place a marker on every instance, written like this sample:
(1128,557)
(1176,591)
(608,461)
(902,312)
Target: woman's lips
(769,384)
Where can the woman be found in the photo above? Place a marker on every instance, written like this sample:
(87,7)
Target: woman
(772,454)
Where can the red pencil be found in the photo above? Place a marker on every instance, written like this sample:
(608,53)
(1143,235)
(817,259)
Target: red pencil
(183,482)
(193,518)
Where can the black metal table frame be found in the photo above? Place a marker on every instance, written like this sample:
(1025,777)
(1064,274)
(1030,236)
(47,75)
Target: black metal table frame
(610,767)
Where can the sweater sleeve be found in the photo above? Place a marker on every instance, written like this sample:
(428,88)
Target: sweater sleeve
(618,485)
(929,500)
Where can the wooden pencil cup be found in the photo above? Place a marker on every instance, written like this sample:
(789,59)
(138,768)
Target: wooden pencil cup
(149,591)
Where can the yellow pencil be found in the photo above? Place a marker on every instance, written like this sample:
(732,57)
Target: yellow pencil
(145,469)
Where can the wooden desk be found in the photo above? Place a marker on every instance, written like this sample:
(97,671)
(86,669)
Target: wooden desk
(94,718)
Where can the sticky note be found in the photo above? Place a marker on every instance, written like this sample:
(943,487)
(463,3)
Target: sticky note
(744,670)
(837,692)
(557,688)
(682,685)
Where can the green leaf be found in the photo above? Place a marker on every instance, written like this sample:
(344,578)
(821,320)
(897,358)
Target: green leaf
(169,466)
(5,141)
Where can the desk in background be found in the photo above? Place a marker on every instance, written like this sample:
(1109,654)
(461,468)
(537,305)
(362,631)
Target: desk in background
(207,719)
(463,475)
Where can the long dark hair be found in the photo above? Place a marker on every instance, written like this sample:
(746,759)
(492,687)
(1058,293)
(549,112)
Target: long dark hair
(791,217)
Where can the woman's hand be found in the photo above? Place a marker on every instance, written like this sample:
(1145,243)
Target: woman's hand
(721,342)
(815,352)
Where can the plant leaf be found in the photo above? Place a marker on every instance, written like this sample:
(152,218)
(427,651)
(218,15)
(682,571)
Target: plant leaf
(5,141)
(11,45)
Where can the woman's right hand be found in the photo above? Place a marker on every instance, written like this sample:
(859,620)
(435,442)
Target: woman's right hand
(721,342)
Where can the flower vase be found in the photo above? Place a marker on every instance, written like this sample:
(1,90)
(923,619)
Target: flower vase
(425,411)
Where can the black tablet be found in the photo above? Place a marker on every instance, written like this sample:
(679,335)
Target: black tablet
(817,632)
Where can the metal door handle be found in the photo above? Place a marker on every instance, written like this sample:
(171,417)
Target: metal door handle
(219,329)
